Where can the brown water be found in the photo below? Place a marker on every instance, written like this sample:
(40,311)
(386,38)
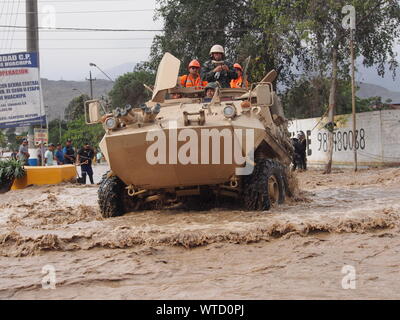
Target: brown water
(293,251)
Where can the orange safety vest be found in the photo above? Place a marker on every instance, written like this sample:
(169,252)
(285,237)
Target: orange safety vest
(187,81)
(237,83)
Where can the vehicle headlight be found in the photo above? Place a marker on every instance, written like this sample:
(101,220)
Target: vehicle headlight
(229,112)
(111,123)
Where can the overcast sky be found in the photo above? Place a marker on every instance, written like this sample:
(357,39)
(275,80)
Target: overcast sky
(67,54)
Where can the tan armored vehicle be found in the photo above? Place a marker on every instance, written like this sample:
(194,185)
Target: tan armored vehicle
(233,147)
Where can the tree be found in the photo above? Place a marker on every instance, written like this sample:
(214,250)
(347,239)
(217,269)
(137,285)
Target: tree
(56,129)
(3,141)
(315,28)
(129,88)
(191,28)
(75,108)
(309,98)
(80,132)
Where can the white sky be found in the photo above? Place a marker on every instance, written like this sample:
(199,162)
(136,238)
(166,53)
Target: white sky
(66,54)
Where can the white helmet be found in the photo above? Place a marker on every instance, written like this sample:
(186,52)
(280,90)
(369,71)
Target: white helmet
(217,49)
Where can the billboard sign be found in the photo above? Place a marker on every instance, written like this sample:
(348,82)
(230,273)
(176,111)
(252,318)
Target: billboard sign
(21,100)
(41,136)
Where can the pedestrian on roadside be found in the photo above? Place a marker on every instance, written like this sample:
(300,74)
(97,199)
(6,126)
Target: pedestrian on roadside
(84,159)
(40,153)
(14,155)
(23,154)
(99,155)
(59,155)
(69,153)
(49,156)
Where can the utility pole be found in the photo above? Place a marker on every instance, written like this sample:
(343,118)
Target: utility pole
(353,96)
(91,80)
(32,42)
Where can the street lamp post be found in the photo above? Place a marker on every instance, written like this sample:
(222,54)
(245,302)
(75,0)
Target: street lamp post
(94,65)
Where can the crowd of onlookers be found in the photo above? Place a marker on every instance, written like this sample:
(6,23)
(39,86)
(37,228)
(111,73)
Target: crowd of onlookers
(52,154)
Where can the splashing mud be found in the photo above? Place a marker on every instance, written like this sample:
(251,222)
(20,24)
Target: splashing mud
(331,220)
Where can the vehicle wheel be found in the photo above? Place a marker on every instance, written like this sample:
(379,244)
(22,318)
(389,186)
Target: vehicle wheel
(110,196)
(265,187)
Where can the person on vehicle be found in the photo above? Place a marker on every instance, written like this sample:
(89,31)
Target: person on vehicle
(69,153)
(49,156)
(23,154)
(193,79)
(84,159)
(210,91)
(237,83)
(218,69)
(59,155)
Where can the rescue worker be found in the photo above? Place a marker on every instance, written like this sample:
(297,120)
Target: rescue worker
(237,83)
(218,69)
(210,91)
(193,79)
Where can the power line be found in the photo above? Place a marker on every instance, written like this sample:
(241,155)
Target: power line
(75,48)
(95,11)
(85,29)
(124,30)
(84,39)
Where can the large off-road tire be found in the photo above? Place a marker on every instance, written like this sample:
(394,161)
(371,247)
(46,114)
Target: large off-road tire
(265,187)
(111,196)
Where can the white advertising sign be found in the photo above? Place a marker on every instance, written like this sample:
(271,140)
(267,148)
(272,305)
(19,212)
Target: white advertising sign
(21,101)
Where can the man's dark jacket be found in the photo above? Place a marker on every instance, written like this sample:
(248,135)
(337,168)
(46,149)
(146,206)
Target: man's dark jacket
(224,78)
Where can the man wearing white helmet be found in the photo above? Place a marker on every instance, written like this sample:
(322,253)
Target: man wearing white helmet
(217,69)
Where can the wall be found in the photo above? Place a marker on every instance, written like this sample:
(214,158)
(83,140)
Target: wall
(378,139)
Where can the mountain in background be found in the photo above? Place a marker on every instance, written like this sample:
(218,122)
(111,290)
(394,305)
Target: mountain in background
(368,90)
(58,94)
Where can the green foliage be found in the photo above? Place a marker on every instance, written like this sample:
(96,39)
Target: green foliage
(10,170)
(191,28)
(3,141)
(75,108)
(311,30)
(309,98)
(54,131)
(80,132)
(129,88)
(12,138)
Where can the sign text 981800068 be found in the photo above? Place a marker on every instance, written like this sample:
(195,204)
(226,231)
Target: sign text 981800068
(343,141)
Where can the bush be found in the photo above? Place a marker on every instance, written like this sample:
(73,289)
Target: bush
(9,171)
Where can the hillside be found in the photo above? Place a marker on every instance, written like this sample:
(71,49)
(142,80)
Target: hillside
(368,90)
(57,94)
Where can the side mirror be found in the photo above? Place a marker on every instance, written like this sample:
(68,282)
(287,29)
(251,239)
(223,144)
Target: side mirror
(92,111)
(265,94)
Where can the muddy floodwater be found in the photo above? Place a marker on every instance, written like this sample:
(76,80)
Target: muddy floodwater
(340,231)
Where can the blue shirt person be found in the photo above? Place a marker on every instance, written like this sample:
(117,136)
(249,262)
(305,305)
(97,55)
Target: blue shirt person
(59,155)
